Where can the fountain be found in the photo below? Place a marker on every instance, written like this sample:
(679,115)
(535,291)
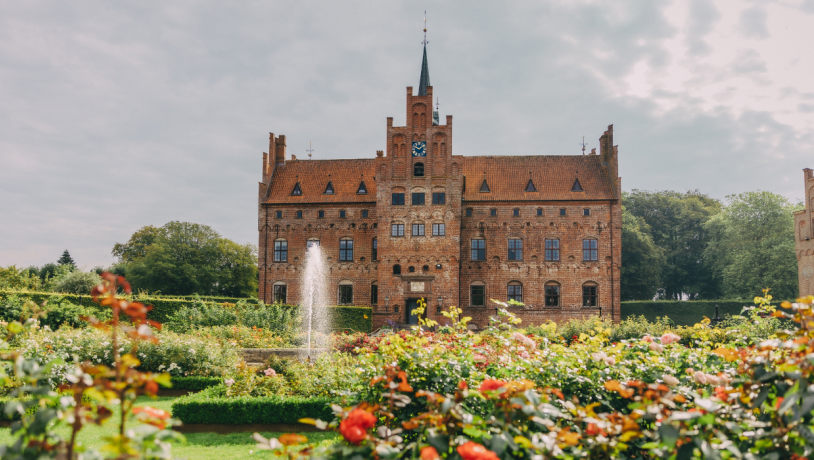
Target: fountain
(313,299)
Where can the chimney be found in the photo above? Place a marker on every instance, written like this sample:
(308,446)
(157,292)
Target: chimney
(279,150)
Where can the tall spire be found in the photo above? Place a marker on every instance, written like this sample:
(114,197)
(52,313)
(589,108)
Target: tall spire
(425,68)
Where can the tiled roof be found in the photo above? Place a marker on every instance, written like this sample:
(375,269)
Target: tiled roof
(314,175)
(553,177)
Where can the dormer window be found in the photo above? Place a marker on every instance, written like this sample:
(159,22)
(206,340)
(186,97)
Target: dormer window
(418,170)
(362,189)
(577,186)
(484,187)
(297,190)
(329,190)
(530,187)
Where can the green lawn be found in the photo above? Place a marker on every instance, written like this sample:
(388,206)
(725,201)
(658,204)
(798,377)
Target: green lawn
(199,446)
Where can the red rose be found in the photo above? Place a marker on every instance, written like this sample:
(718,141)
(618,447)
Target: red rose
(354,428)
(491,385)
(474,451)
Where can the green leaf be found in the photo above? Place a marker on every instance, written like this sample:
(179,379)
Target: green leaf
(668,434)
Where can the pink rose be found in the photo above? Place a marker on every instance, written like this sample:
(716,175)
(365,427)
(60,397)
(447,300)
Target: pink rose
(669,338)
(610,361)
(713,380)
(656,347)
(700,377)
(647,338)
(229,382)
(525,355)
(269,372)
(670,380)
(479,358)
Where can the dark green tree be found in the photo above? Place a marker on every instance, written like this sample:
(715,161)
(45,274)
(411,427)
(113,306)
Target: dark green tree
(183,258)
(66,259)
(752,246)
(642,260)
(677,223)
(48,271)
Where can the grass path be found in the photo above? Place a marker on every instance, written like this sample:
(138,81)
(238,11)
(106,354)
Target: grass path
(199,446)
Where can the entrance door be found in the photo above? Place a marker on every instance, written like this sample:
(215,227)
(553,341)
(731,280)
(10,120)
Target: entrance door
(412,304)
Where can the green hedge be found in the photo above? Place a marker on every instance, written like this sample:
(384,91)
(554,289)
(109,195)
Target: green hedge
(195,382)
(205,408)
(344,317)
(683,313)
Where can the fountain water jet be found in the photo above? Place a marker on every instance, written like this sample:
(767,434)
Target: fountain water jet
(313,299)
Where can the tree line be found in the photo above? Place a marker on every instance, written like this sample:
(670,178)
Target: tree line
(689,246)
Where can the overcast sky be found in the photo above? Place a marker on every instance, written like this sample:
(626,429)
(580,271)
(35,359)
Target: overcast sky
(117,115)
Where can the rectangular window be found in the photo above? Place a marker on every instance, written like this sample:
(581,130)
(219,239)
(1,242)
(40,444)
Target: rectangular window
(279,293)
(478,250)
(539,211)
(552,296)
(397,230)
(515,249)
(345,294)
(589,250)
(477,296)
(397,199)
(342,214)
(321,214)
(345,250)
(364,213)
(418,230)
(468,212)
(374,294)
(374,253)
(279,214)
(439,229)
(516,212)
(493,212)
(552,250)
(588,296)
(281,251)
(299,214)
(418,198)
(562,211)
(515,292)
(439,198)
(586,212)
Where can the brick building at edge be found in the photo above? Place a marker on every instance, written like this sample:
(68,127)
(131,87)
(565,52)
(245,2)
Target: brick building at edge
(419,221)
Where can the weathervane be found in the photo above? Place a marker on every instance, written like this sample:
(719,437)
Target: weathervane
(436,103)
(583,145)
(310,150)
(425,29)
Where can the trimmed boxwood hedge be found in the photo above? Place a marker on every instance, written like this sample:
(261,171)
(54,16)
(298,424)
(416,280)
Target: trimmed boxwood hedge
(344,317)
(683,313)
(203,407)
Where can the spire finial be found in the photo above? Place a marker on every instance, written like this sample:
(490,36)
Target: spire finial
(309,150)
(425,29)
(583,145)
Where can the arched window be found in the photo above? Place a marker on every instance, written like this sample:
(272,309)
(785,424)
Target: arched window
(279,291)
(397,269)
(477,294)
(345,292)
(590,291)
(346,250)
(515,291)
(374,294)
(552,294)
(515,249)
(374,251)
(589,251)
(418,170)
(281,250)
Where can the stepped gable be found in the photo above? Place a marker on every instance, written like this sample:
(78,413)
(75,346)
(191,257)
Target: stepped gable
(314,175)
(553,177)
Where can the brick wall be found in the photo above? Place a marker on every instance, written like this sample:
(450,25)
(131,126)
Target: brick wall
(804,237)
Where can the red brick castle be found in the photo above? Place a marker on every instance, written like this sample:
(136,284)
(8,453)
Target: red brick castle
(418,221)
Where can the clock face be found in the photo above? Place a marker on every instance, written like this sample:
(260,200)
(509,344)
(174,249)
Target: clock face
(419,149)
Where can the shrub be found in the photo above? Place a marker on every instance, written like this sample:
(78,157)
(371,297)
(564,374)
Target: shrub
(208,407)
(75,282)
(58,311)
(194,382)
(682,313)
(243,337)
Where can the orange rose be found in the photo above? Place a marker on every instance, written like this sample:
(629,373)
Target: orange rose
(429,453)
(354,428)
(491,385)
(152,416)
(474,451)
